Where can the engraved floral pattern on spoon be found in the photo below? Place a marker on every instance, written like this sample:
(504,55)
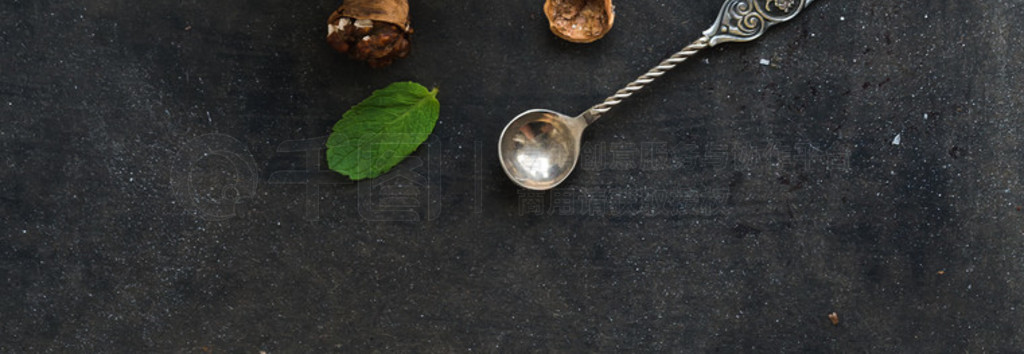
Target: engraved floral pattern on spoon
(784,5)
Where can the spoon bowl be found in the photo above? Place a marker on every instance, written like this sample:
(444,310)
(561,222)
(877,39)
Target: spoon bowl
(539,148)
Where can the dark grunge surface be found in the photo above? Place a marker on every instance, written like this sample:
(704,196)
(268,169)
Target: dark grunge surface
(162,188)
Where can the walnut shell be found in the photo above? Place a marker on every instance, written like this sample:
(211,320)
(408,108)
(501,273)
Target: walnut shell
(580,21)
(374,31)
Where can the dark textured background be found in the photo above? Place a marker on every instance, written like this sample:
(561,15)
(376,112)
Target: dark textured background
(160,185)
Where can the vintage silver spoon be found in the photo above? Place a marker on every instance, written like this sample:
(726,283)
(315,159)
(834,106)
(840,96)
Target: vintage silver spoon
(539,148)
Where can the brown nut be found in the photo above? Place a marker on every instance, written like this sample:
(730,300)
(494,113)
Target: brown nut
(374,31)
(580,21)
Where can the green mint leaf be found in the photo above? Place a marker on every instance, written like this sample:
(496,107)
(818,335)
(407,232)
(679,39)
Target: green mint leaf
(381,131)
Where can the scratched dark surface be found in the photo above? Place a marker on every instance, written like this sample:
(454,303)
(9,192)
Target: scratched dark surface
(161,187)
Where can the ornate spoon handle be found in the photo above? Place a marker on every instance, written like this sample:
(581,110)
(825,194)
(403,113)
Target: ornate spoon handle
(739,21)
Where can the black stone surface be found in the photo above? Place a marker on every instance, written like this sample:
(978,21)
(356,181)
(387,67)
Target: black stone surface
(162,188)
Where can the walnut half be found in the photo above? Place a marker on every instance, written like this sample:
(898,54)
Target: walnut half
(580,21)
(374,31)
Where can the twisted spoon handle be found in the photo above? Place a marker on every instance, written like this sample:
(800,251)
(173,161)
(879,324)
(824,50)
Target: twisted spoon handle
(595,112)
(738,21)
